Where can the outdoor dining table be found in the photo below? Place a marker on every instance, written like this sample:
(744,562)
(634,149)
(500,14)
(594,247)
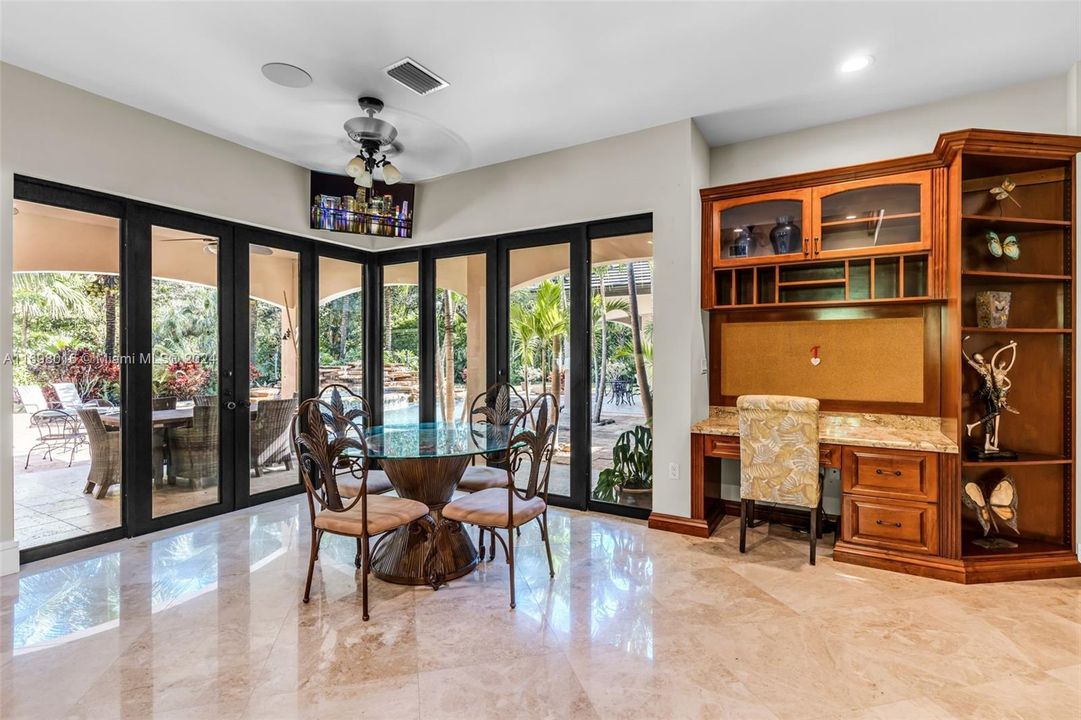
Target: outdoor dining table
(425,462)
(172,418)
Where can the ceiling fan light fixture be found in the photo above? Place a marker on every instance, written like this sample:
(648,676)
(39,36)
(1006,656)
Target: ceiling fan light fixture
(391,174)
(355,167)
(364,180)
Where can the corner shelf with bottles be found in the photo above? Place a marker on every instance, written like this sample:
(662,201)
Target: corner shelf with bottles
(856,242)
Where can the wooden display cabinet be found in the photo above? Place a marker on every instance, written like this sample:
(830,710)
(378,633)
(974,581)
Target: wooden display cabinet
(862,240)
(918,234)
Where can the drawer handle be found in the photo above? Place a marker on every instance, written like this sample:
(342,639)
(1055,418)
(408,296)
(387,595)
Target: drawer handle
(883,522)
(880,471)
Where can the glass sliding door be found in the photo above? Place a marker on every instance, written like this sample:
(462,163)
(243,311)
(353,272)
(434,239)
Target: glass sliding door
(621,370)
(341,324)
(401,343)
(539,321)
(460,334)
(274,340)
(187,403)
(68,478)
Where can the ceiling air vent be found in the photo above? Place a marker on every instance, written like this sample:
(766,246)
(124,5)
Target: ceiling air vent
(416,77)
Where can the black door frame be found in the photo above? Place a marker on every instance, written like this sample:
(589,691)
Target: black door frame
(136,219)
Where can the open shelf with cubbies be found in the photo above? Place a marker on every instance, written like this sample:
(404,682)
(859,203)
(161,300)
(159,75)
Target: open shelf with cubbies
(881,278)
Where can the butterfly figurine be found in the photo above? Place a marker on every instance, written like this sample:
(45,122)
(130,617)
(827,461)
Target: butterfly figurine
(1010,247)
(1002,191)
(1000,507)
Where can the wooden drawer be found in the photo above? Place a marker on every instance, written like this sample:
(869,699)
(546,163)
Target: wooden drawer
(896,525)
(722,446)
(890,474)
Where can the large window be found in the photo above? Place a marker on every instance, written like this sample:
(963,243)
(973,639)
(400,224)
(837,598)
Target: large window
(401,344)
(460,335)
(621,370)
(186,399)
(66,319)
(539,317)
(274,364)
(341,324)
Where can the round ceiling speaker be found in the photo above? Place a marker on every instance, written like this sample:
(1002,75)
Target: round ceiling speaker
(286,75)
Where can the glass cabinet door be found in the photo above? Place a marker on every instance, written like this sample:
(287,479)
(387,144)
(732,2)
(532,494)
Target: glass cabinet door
(887,215)
(765,228)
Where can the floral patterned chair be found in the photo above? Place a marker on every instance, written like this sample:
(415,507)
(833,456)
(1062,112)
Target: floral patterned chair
(779,461)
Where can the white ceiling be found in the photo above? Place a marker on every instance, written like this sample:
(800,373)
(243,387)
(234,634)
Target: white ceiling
(527,78)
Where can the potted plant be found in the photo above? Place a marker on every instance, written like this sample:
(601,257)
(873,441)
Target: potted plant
(631,473)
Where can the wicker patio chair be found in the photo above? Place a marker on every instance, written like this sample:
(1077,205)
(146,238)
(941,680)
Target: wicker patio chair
(270,434)
(193,451)
(204,400)
(104,454)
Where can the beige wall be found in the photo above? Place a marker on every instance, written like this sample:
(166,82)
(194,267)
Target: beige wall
(1038,106)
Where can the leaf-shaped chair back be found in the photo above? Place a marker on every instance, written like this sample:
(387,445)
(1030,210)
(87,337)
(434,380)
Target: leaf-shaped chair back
(501,404)
(326,444)
(533,443)
(347,404)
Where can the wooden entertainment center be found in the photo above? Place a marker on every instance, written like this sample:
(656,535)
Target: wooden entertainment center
(858,286)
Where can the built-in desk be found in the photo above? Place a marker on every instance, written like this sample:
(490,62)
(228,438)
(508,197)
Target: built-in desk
(890,467)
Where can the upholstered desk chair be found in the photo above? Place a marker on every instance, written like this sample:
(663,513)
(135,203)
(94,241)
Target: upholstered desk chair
(350,406)
(323,450)
(779,461)
(533,441)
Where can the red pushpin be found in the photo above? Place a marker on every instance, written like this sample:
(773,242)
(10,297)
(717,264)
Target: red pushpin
(815,360)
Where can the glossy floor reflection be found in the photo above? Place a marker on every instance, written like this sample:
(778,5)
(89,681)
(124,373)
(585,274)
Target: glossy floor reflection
(206,621)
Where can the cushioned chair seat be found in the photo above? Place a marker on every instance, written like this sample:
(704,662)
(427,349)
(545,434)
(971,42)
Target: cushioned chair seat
(489,508)
(384,513)
(482,477)
(378,483)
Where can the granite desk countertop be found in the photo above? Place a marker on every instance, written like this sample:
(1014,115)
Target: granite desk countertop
(900,432)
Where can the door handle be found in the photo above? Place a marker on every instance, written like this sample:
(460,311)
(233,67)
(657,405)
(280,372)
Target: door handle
(817,245)
(231,405)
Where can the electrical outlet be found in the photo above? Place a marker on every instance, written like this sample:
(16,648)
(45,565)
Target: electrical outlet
(673,471)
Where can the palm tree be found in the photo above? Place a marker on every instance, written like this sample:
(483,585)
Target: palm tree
(522,332)
(636,340)
(550,324)
(45,295)
(445,383)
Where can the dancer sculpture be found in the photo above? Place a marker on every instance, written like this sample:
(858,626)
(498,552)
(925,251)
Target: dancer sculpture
(994,387)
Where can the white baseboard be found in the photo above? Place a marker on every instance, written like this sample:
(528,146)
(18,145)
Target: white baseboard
(9,557)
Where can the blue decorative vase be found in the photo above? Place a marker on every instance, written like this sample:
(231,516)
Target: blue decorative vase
(785,236)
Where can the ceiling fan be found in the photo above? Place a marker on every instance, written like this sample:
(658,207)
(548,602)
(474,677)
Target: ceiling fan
(210,245)
(377,139)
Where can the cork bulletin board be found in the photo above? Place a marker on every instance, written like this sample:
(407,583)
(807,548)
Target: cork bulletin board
(870,360)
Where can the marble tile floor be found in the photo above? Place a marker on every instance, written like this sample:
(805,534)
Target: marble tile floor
(206,621)
(50,504)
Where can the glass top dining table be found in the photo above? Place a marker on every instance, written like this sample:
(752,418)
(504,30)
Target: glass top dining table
(435,440)
(425,462)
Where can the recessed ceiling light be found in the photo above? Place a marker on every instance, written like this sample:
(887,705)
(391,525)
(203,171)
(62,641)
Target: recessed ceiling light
(857,63)
(286,75)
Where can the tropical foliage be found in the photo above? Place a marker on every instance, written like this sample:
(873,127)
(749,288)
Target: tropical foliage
(632,465)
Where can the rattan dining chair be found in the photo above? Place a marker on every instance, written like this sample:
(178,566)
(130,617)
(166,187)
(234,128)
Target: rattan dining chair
(322,454)
(104,454)
(350,406)
(532,444)
(269,443)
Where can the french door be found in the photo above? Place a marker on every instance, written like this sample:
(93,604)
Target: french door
(216,324)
